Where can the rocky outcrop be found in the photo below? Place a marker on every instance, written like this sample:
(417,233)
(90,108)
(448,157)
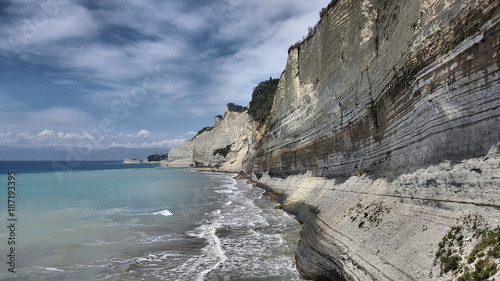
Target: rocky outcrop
(383,140)
(384,134)
(155,158)
(224,147)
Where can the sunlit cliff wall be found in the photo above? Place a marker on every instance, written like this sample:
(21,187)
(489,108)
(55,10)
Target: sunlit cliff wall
(385,133)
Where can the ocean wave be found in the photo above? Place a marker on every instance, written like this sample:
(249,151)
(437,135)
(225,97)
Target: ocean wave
(213,250)
(223,191)
(53,269)
(239,237)
(165,213)
(213,255)
(159,239)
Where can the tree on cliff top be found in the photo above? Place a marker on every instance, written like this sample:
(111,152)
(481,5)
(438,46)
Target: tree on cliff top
(262,99)
(236,108)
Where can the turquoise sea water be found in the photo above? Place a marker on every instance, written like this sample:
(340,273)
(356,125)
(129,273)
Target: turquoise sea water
(113,221)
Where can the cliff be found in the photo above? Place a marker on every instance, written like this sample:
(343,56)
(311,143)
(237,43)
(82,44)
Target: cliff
(384,141)
(384,135)
(223,147)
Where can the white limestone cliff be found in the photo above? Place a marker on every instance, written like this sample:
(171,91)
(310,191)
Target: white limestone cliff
(385,135)
(235,129)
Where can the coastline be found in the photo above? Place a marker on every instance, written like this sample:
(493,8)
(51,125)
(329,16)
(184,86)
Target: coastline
(338,237)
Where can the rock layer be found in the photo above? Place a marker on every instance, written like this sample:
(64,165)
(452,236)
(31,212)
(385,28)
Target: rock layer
(385,133)
(385,85)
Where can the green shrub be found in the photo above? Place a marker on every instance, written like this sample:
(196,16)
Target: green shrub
(494,252)
(236,108)
(480,263)
(484,269)
(450,263)
(205,129)
(262,100)
(223,151)
(360,173)
(157,157)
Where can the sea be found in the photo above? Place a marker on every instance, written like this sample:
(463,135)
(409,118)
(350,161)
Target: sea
(114,221)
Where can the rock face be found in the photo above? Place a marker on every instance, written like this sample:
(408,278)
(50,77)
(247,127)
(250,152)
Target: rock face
(385,85)
(234,129)
(384,134)
(406,96)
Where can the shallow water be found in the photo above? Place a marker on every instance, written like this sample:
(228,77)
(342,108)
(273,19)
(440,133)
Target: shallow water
(119,222)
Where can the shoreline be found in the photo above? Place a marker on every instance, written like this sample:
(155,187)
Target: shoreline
(348,217)
(345,220)
(270,194)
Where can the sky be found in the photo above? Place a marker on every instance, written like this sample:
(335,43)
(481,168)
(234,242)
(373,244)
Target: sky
(136,73)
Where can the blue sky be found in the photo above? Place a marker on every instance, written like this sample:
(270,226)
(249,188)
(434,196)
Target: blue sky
(133,73)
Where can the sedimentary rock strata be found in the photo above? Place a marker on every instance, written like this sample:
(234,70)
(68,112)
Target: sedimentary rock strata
(384,134)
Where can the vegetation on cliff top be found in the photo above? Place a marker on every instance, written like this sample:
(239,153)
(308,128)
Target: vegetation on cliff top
(205,129)
(236,108)
(157,157)
(262,99)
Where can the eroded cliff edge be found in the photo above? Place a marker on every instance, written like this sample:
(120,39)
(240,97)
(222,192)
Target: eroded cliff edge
(384,137)
(227,146)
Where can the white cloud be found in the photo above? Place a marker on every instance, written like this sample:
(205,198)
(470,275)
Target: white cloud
(56,117)
(24,135)
(46,133)
(6,138)
(169,143)
(72,139)
(71,21)
(41,23)
(143,133)
(164,143)
(74,136)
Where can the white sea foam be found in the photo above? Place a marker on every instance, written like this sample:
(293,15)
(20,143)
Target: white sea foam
(213,251)
(165,213)
(159,239)
(246,244)
(224,191)
(54,269)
